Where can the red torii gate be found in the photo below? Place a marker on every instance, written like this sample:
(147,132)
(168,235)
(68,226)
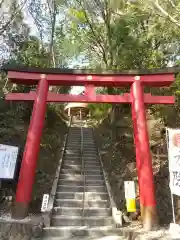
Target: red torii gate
(46,77)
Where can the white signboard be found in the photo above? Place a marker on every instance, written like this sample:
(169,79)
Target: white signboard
(45,202)
(8,158)
(174,160)
(130,192)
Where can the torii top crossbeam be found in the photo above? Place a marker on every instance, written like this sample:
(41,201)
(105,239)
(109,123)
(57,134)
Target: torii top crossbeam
(72,77)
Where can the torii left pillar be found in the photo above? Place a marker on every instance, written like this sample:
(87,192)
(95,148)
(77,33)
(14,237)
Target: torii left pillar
(28,168)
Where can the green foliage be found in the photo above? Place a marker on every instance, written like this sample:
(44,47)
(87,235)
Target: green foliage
(116,35)
(32,54)
(99,111)
(98,34)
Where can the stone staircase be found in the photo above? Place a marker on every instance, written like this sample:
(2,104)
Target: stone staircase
(82,208)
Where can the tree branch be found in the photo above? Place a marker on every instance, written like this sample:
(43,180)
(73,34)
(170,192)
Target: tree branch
(19,9)
(173,5)
(1,3)
(53,13)
(166,13)
(96,36)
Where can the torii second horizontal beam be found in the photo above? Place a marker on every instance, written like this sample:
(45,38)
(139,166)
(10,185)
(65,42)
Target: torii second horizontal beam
(126,98)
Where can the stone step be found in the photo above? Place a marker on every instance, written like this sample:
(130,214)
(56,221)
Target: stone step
(74,137)
(75,133)
(71,166)
(73,141)
(90,155)
(72,162)
(66,188)
(88,138)
(73,176)
(74,130)
(86,164)
(79,203)
(77,148)
(79,195)
(73,144)
(79,162)
(73,156)
(79,221)
(89,146)
(79,167)
(76,231)
(110,236)
(81,183)
(67,211)
(87,151)
(76,157)
(86,156)
(85,145)
(79,159)
(92,164)
(85,133)
(78,152)
(77,143)
(86,172)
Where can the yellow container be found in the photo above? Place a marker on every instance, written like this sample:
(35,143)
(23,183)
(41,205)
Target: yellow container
(131,205)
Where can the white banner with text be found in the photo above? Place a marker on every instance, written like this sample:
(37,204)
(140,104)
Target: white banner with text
(8,159)
(174,159)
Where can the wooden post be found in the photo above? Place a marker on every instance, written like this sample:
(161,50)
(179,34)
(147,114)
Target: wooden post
(143,157)
(28,167)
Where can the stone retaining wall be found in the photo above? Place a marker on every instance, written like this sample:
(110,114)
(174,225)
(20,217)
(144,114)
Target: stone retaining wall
(17,230)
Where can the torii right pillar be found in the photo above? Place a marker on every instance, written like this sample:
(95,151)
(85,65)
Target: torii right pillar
(143,157)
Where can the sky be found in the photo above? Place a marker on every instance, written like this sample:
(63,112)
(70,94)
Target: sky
(29,20)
